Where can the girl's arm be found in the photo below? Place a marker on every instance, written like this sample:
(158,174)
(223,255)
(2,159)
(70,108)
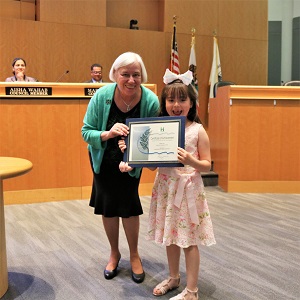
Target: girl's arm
(124,167)
(203,164)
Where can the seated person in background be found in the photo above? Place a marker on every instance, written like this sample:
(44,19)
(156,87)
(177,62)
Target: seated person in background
(96,74)
(19,66)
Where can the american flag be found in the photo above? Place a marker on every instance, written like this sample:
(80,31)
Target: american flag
(174,67)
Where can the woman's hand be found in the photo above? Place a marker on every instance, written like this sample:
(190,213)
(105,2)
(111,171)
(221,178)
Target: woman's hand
(124,167)
(118,129)
(19,75)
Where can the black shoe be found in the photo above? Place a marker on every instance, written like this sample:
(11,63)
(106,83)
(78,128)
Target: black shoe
(138,278)
(111,274)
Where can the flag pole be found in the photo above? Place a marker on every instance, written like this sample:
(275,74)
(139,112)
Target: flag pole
(193,30)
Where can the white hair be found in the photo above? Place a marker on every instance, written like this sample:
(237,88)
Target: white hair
(124,60)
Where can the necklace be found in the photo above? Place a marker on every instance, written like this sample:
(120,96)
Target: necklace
(127,105)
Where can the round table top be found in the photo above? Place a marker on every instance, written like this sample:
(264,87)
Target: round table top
(13,166)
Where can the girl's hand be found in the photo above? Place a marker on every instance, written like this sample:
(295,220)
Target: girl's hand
(122,145)
(203,163)
(184,157)
(152,168)
(124,167)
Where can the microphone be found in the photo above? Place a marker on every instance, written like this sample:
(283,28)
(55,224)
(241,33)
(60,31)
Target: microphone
(62,75)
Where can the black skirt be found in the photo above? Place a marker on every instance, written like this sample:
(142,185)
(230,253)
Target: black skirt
(115,194)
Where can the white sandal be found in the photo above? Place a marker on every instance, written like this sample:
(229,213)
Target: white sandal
(166,286)
(186,294)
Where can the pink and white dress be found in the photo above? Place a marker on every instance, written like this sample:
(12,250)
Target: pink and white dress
(179,212)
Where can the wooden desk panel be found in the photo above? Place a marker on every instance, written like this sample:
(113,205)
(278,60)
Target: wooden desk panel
(254,138)
(67,90)
(47,131)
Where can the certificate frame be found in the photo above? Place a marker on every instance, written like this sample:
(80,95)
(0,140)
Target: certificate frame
(153,142)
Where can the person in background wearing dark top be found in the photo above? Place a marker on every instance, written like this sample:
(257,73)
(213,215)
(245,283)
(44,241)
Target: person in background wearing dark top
(96,74)
(19,66)
(115,194)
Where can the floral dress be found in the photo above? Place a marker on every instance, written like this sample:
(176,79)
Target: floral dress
(179,212)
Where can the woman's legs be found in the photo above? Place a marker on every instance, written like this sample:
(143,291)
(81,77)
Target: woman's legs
(111,226)
(192,262)
(131,227)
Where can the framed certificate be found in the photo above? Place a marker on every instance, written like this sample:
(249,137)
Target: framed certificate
(153,142)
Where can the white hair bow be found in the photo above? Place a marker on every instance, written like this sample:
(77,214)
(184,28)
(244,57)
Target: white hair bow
(186,78)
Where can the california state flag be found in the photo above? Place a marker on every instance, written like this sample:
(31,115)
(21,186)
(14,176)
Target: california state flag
(192,62)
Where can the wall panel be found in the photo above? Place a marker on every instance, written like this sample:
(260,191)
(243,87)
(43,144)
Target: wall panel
(120,12)
(85,12)
(252,57)
(243,19)
(72,35)
(27,10)
(296,49)
(199,14)
(10,9)
(274,52)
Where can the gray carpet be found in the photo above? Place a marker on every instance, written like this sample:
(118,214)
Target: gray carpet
(57,250)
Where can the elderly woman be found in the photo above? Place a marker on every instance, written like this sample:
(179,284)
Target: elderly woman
(115,194)
(18,69)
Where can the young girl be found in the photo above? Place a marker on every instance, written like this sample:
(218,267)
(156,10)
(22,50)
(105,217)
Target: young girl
(179,215)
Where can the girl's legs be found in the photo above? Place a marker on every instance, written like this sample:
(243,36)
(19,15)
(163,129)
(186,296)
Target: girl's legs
(192,261)
(173,254)
(111,226)
(131,227)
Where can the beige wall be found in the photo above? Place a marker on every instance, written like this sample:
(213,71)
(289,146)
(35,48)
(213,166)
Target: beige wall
(71,35)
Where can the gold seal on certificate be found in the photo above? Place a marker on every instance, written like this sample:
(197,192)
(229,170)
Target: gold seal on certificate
(154,141)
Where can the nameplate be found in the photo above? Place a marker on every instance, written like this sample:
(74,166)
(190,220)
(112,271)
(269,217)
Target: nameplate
(28,91)
(90,91)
